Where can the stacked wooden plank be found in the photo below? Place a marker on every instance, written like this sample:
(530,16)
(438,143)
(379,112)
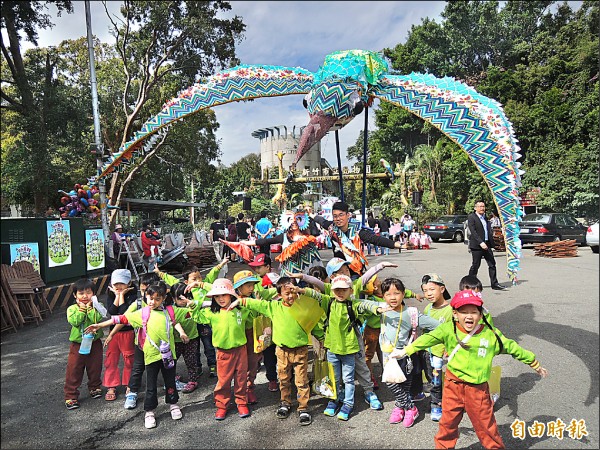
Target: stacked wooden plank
(201,256)
(25,270)
(18,300)
(199,252)
(499,244)
(559,249)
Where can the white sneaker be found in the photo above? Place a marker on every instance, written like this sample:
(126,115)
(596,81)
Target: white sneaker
(176,413)
(149,420)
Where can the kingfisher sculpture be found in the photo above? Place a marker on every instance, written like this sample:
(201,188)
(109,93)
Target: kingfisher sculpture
(348,81)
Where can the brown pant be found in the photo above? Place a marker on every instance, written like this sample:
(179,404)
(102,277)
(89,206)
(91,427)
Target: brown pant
(232,364)
(77,364)
(371,338)
(295,359)
(253,358)
(475,400)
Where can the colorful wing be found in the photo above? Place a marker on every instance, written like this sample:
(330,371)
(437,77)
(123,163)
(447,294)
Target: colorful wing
(240,249)
(479,126)
(239,83)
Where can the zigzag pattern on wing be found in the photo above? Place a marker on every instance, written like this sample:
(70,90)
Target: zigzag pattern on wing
(332,99)
(201,96)
(468,131)
(301,261)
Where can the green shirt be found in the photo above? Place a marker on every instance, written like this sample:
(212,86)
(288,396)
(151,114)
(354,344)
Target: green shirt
(443,314)
(134,307)
(198,294)
(338,339)
(156,329)
(286,330)
(473,364)
(228,327)
(81,320)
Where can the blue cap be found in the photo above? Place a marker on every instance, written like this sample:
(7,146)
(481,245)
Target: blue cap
(334,265)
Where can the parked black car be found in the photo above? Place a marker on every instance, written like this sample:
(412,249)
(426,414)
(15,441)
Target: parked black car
(548,227)
(446,227)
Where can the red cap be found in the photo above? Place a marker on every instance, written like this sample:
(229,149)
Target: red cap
(259,260)
(466,297)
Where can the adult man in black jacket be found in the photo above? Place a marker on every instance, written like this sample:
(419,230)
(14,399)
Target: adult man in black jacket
(481,243)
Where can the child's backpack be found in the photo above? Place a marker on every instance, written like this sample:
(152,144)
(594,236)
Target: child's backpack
(414,322)
(354,322)
(145,316)
(231,232)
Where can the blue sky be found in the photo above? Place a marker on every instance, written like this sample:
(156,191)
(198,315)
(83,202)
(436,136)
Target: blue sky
(286,34)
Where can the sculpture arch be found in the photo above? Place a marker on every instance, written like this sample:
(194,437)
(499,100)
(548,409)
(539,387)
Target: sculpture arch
(346,78)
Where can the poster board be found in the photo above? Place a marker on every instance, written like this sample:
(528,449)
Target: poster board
(94,249)
(59,243)
(26,251)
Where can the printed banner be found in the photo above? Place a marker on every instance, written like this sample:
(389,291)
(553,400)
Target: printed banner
(94,249)
(28,251)
(59,243)
(326,203)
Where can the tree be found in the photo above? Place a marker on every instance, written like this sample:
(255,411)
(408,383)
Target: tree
(540,60)
(32,106)
(163,47)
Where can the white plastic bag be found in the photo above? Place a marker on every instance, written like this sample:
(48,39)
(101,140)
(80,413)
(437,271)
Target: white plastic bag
(392,373)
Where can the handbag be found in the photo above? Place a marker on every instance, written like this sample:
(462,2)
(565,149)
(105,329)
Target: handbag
(324,377)
(262,331)
(494,383)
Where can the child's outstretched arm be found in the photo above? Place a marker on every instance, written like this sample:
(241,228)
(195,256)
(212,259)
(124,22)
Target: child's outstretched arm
(170,280)
(310,280)
(96,326)
(114,331)
(375,270)
(213,274)
(184,337)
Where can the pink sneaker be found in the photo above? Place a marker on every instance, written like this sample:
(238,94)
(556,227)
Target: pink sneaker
(410,416)
(397,415)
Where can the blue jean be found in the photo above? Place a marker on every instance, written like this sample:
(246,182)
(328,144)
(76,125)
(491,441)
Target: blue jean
(343,368)
(377,249)
(385,250)
(205,333)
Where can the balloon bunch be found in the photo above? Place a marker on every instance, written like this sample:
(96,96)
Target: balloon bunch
(83,199)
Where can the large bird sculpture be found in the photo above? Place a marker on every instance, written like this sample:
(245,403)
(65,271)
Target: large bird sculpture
(347,82)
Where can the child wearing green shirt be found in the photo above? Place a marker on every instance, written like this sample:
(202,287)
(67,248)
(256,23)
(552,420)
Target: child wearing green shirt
(369,340)
(342,339)
(158,325)
(472,347)
(439,308)
(137,370)
(80,315)
(229,338)
(290,334)
(199,287)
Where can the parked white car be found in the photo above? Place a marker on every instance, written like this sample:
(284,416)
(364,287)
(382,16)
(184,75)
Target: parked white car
(591,237)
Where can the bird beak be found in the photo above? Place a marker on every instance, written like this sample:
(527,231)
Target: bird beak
(318,126)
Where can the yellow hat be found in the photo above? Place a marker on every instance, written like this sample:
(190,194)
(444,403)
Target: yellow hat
(369,288)
(243,277)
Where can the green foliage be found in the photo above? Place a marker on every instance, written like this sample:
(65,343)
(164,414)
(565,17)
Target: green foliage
(257,205)
(539,59)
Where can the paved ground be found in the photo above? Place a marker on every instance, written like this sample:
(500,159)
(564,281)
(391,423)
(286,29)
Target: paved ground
(552,311)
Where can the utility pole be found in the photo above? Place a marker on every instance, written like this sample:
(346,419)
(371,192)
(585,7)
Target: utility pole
(98,141)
